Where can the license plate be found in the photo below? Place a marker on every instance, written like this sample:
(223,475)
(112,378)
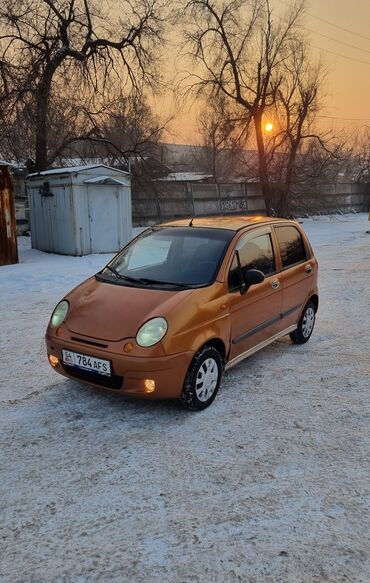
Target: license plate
(85,362)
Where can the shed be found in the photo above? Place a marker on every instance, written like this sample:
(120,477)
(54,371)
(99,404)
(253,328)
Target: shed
(80,210)
(8,231)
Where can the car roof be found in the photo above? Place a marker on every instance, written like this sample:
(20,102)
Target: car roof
(233,223)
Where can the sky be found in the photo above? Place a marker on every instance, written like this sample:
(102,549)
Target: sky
(340,34)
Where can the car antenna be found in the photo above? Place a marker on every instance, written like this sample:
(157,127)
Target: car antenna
(191,222)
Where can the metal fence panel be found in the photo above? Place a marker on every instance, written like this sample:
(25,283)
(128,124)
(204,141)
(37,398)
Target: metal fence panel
(206,207)
(232,190)
(204,191)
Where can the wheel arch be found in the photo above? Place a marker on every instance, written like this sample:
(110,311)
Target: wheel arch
(315,300)
(218,344)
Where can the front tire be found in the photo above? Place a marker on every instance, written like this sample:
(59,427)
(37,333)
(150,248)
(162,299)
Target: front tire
(202,379)
(305,325)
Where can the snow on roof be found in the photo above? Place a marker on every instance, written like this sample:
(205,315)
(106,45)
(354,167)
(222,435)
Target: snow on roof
(73,169)
(103,180)
(10,164)
(186,176)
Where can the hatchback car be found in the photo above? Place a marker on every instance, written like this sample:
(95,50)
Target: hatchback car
(183,302)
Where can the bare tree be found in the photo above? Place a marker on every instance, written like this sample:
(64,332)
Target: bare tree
(218,125)
(133,128)
(362,155)
(121,128)
(296,135)
(48,45)
(239,50)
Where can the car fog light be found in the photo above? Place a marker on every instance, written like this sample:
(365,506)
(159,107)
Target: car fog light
(54,360)
(149,385)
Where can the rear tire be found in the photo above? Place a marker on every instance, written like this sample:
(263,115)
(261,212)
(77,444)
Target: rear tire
(305,325)
(202,379)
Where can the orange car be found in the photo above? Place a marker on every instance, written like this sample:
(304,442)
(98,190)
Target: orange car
(183,302)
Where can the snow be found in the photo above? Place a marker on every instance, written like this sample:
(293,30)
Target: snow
(268,485)
(185,177)
(72,169)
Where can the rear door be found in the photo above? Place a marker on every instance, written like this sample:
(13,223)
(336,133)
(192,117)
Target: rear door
(254,315)
(297,266)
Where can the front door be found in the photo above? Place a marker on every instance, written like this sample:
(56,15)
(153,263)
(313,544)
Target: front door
(255,314)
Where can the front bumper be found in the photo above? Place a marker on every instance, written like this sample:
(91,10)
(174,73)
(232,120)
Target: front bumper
(129,372)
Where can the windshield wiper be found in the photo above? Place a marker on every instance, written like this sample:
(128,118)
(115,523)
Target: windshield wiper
(113,271)
(119,275)
(144,280)
(149,281)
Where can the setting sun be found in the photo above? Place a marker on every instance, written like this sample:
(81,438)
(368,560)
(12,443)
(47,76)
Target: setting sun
(268,127)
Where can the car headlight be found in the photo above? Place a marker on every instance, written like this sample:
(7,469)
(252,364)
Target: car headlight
(151,332)
(59,314)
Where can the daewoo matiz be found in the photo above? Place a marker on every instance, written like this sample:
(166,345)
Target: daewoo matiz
(183,302)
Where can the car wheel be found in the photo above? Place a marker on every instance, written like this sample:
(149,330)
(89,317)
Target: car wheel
(305,324)
(202,379)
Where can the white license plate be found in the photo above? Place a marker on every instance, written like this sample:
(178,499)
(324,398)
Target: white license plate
(85,362)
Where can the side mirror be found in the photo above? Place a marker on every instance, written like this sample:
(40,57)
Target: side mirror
(251,277)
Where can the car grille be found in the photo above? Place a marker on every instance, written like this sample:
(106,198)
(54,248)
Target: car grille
(89,342)
(113,382)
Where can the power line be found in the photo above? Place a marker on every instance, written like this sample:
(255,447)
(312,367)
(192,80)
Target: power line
(337,26)
(342,56)
(338,41)
(359,35)
(344,118)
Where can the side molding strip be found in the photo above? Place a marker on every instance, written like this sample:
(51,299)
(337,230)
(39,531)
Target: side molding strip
(259,346)
(264,325)
(294,309)
(256,329)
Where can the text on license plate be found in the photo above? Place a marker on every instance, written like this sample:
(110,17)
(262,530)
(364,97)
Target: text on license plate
(85,362)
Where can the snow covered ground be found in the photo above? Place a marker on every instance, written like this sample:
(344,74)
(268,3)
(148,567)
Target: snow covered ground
(268,485)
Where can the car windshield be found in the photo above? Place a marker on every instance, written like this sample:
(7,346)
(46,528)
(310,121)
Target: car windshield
(171,256)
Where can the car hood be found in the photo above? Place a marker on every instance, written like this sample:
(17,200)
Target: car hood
(112,312)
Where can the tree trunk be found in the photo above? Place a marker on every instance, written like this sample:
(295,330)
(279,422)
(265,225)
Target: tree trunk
(214,160)
(41,146)
(262,165)
(214,168)
(284,207)
(283,203)
(42,96)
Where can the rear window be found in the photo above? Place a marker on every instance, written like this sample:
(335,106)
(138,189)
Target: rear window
(291,245)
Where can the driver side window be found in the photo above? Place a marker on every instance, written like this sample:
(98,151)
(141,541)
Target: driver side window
(256,253)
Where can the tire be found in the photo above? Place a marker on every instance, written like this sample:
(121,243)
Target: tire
(305,325)
(202,379)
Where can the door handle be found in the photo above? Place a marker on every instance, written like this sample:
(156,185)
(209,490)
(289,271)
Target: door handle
(308,268)
(275,284)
